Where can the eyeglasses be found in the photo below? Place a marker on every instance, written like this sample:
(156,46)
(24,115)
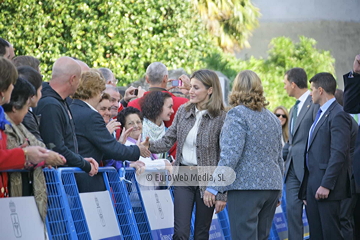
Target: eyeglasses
(283,115)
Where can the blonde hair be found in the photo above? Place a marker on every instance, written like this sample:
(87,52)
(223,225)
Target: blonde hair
(285,127)
(248,91)
(209,78)
(91,84)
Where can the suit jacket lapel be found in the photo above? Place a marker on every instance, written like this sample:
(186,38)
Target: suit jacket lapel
(321,122)
(303,111)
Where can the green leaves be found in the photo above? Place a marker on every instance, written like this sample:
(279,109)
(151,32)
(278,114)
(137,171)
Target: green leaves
(125,36)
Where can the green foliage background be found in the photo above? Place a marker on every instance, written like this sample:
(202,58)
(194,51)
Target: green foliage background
(283,55)
(126,36)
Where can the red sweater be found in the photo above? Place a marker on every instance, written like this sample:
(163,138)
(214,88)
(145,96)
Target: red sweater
(10,158)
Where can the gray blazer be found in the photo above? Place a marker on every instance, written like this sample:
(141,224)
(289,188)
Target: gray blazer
(250,144)
(294,149)
(207,140)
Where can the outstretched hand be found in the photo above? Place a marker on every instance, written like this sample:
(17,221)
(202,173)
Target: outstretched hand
(124,135)
(144,147)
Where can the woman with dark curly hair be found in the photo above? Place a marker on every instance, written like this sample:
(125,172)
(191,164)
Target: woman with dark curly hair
(156,107)
(250,144)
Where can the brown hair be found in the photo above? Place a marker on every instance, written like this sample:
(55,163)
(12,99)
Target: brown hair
(27,61)
(8,74)
(248,91)
(209,78)
(105,96)
(285,127)
(91,84)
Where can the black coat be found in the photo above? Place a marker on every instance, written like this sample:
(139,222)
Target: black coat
(95,141)
(57,127)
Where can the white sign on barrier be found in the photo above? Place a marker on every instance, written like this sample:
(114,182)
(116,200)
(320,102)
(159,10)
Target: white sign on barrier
(160,212)
(215,232)
(20,219)
(100,215)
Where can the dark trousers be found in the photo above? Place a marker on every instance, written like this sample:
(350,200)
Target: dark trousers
(347,208)
(357,218)
(251,213)
(294,206)
(324,218)
(184,199)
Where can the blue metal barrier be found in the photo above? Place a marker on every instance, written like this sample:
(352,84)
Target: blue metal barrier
(59,220)
(137,204)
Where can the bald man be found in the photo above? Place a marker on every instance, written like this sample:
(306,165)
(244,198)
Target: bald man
(57,128)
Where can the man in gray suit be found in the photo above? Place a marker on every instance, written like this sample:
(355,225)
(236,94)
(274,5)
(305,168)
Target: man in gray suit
(302,116)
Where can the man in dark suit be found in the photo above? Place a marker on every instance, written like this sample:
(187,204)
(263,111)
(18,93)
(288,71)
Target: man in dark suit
(327,160)
(302,115)
(352,105)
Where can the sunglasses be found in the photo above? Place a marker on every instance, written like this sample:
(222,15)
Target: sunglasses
(283,115)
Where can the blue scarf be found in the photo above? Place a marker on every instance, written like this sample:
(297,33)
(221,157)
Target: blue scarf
(3,120)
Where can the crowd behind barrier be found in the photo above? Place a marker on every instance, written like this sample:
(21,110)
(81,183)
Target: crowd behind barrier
(317,139)
(66,218)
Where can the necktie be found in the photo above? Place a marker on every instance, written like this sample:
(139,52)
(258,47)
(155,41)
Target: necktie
(311,132)
(294,115)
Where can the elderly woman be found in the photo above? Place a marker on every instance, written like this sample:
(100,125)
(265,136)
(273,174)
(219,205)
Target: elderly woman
(132,119)
(251,145)
(156,107)
(196,128)
(93,137)
(283,115)
(21,155)
(104,108)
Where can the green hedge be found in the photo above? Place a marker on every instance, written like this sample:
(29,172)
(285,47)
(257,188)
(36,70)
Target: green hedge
(125,36)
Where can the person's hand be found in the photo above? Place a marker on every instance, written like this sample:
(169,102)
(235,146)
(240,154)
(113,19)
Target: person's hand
(144,147)
(129,94)
(219,206)
(124,135)
(36,154)
(322,193)
(145,143)
(140,92)
(305,202)
(186,82)
(94,166)
(113,125)
(356,66)
(209,199)
(278,203)
(139,167)
(55,159)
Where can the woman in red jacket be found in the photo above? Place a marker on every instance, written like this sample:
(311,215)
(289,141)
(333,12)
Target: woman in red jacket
(16,158)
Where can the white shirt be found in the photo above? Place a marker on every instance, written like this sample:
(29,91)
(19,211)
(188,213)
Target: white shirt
(189,148)
(302,100)
(90,106)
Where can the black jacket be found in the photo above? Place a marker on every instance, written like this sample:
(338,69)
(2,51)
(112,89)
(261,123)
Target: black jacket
(95,141)
(32,122)
(57,128)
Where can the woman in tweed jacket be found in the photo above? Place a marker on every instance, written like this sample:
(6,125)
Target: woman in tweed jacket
(196,128)
(251,145)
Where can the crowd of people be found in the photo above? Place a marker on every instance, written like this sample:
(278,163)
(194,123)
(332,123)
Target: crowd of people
(80,119)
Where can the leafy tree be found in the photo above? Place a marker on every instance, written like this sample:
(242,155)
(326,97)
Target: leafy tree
(125,36)
(283,55)
(230,21)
